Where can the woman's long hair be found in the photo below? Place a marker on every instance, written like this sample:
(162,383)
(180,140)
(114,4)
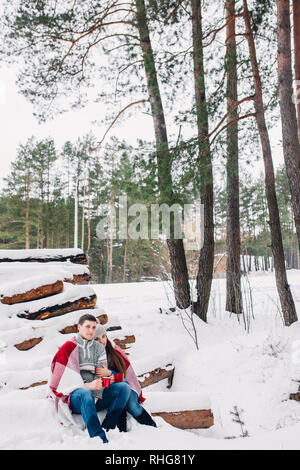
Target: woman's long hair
(114,360)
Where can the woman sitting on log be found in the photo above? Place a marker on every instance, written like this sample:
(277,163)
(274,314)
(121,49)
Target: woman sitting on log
(118,363)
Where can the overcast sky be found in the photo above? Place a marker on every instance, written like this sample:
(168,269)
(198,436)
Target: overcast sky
(18,124)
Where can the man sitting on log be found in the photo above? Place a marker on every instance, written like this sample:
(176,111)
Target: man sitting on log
(75,387)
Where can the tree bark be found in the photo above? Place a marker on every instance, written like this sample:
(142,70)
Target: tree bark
(89,220)
(296,21)
(111,229)
(47,204)
(291,146)
(179,269)
(83,218)
(283,288)
(125,258)
(206,258)
(27,208)
(233,241)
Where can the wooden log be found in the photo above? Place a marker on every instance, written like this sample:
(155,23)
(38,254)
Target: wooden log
(58,310)
(42,256)
(122,343)
(36,384)
(35,294)
(28,344)
(80,279)
(195,419)
(103,319)
(156,375)
(113,328)
(295,396)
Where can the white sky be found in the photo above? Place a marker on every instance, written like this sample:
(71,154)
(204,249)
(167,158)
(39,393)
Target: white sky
(17,124)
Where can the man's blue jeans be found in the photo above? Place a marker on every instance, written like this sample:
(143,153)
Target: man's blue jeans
(114,398)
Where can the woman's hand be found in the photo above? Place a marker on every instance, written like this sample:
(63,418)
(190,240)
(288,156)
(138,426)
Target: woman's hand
(112,379)
(103,372)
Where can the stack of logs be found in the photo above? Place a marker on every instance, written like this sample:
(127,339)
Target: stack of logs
(28,306)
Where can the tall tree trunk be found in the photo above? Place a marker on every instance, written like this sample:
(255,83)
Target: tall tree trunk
(38,233)
(82,219)
(179,269)
(206,258)
(89,220)
(68,223)
(110,240)
(296,21)
(47,205)
(76,216)
(283,288)
(291,146)
(42,222)
(233,241)
(27,207)
(125,258)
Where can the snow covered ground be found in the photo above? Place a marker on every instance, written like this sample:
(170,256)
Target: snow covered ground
(249,366)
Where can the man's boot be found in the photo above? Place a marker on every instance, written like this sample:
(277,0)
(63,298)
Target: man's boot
(122,423)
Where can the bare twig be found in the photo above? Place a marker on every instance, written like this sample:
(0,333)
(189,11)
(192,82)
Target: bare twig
(115,120)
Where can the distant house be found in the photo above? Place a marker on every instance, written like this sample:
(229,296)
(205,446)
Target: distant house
(248,264)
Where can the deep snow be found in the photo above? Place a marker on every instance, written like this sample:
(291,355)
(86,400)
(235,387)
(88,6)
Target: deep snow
(254,371)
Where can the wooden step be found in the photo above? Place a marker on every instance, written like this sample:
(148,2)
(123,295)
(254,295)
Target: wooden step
(188,419)
(183,410)
(156,375)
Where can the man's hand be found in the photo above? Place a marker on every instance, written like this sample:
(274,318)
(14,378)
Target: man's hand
(95,385)
(103,371)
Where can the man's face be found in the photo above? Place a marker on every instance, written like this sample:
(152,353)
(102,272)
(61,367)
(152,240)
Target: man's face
(87,330)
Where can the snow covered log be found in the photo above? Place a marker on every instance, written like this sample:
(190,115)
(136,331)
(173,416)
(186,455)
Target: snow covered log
(183,410)
(43,256)
(188,419)
(58,310)
(23,334)
(21,282)
(28,344)
(34,294)
(295,396)
(80,279)
(156,375)
(71,299)
(36,384)
(122,342)
(113,324)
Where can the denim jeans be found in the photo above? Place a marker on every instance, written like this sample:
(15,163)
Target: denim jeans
(114,398)
(83,402)
(133,407)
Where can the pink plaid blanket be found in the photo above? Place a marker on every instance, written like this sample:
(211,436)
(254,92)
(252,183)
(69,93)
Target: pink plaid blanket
(65,378)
